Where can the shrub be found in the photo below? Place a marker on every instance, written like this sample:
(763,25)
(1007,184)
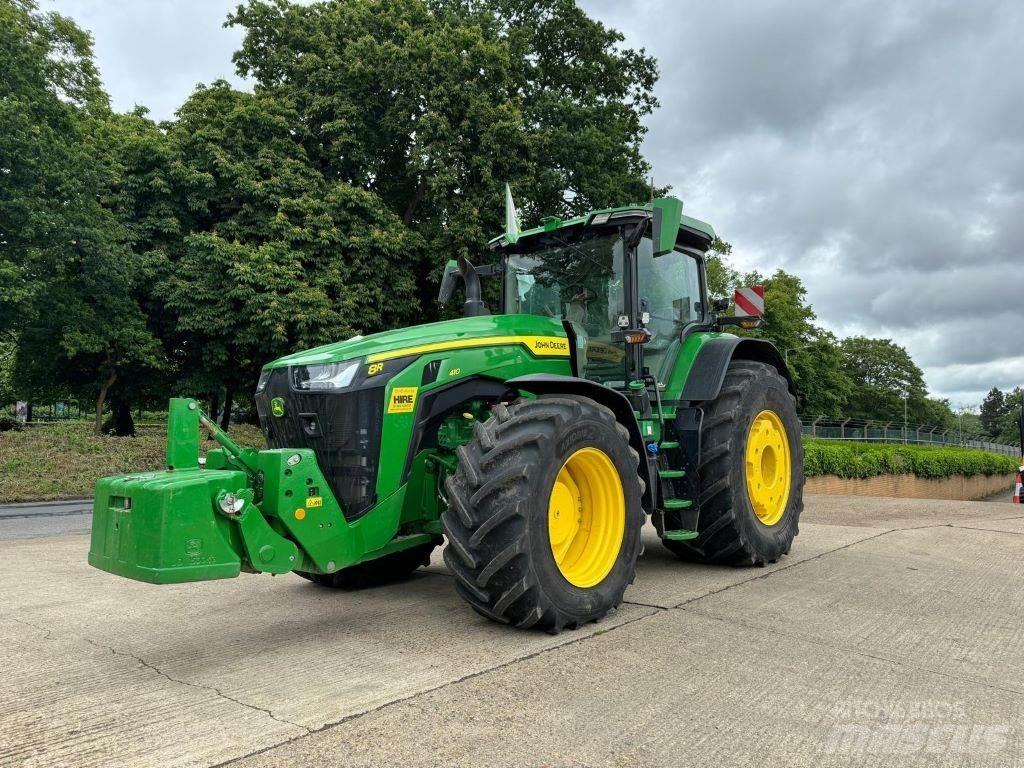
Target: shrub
(857,460)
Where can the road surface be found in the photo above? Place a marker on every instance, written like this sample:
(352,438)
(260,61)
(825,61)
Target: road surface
(891,635)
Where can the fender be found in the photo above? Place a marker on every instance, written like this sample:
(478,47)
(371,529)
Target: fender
(704,381)
(555,384)
(438,403)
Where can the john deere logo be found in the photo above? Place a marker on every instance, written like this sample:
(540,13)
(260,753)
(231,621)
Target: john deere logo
(277,406)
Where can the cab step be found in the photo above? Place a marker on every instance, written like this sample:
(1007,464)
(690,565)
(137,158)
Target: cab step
(668,445)
(671,474)
(681,535)
(672,504)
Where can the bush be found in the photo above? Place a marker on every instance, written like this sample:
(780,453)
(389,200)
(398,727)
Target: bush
(857,460)
(8,424)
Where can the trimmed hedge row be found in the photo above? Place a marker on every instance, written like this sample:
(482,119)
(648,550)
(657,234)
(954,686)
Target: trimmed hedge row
(857,460)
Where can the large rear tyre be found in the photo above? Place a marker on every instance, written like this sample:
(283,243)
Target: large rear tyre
(751,471)
(373,573)
(544,515)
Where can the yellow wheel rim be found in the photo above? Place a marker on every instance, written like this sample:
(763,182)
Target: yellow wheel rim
(586,517)
(769,466)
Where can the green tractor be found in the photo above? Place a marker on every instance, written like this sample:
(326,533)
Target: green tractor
(535,440)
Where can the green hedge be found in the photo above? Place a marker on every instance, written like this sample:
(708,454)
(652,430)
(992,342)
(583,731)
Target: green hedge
(830,457)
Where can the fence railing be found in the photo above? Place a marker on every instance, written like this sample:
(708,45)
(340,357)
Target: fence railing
(896,432)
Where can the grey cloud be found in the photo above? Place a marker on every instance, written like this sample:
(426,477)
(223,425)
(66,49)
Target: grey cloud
(874,148)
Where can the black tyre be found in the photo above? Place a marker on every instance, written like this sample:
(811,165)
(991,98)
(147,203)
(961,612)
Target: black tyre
(751,471)
(372,573)
(544,515)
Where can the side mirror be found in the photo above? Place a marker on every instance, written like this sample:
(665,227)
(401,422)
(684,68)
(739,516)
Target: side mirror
(451,271)
(668,212)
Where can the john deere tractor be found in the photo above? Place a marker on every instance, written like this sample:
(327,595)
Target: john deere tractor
(533,440)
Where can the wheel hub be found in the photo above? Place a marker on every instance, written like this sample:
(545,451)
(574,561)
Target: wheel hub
(586,517)
(769,465)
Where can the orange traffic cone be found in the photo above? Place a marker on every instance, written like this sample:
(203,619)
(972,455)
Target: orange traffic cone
(1018,489)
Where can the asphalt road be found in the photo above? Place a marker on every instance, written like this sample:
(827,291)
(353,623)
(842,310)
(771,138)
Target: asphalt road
(891,635)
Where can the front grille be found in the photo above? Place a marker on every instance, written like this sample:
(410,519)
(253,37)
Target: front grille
(347,443)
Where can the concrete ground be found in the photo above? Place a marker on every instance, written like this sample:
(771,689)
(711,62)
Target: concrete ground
(892,635)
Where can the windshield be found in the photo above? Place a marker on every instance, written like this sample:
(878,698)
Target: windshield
(580,281)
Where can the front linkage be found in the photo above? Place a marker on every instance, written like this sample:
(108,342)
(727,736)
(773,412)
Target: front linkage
(269,511)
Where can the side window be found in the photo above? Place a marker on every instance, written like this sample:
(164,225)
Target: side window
(670,292)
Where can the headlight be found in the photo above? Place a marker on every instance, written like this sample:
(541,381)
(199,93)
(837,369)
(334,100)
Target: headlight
(324,377)
(262,383)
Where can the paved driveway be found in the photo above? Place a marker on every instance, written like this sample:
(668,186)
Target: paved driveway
(892,635)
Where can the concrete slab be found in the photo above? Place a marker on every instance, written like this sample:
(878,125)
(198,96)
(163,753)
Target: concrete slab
(679,689)
(895,513)
(865,646)
(950,600)
(292,653)
(69,701)
(665,581)
(1010,524)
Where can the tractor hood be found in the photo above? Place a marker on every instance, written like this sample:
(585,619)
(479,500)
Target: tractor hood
(541,335)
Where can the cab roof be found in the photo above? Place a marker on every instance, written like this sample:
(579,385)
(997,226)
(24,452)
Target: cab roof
(692,232)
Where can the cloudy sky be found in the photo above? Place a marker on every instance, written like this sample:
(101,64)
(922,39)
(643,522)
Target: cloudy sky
(874,148)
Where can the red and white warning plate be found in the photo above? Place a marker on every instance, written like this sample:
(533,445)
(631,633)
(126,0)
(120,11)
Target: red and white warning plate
(750,301)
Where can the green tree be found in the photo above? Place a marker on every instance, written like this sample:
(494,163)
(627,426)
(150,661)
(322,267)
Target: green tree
(993,408)
(69,279)
(431,104)
(1008,431)
(811,352)
(274,255)
(886,381)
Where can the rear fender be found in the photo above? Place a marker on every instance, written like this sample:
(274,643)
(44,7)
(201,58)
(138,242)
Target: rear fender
(705,378)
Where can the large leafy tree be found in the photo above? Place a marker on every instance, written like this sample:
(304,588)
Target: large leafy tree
(884,376)
(431,104)
(993,409)
(70,282)
(274,255)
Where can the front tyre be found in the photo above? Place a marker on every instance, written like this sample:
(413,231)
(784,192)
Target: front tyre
(544,516)
(751,471)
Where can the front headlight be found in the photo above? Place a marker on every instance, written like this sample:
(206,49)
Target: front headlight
(325,377)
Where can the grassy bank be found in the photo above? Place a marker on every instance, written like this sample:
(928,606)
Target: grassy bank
(64,460)
(857,460)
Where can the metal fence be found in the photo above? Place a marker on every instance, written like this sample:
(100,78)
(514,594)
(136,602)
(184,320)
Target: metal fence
(896,432)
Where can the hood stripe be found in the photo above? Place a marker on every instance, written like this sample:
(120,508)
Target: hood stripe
(539,346)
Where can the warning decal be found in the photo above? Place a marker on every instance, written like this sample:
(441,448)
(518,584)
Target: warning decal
(750,301)
(403,400)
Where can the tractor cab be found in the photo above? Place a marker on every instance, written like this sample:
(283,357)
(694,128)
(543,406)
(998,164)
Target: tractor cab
(604,279)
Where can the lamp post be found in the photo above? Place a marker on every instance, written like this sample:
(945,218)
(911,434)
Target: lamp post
(905,395)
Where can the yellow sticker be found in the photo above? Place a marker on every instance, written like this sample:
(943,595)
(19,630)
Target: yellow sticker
(550,345)
(315,501)
(374,368)
(300,513)
(403,400)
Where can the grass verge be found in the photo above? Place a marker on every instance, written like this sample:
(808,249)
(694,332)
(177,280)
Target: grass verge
(64,460)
